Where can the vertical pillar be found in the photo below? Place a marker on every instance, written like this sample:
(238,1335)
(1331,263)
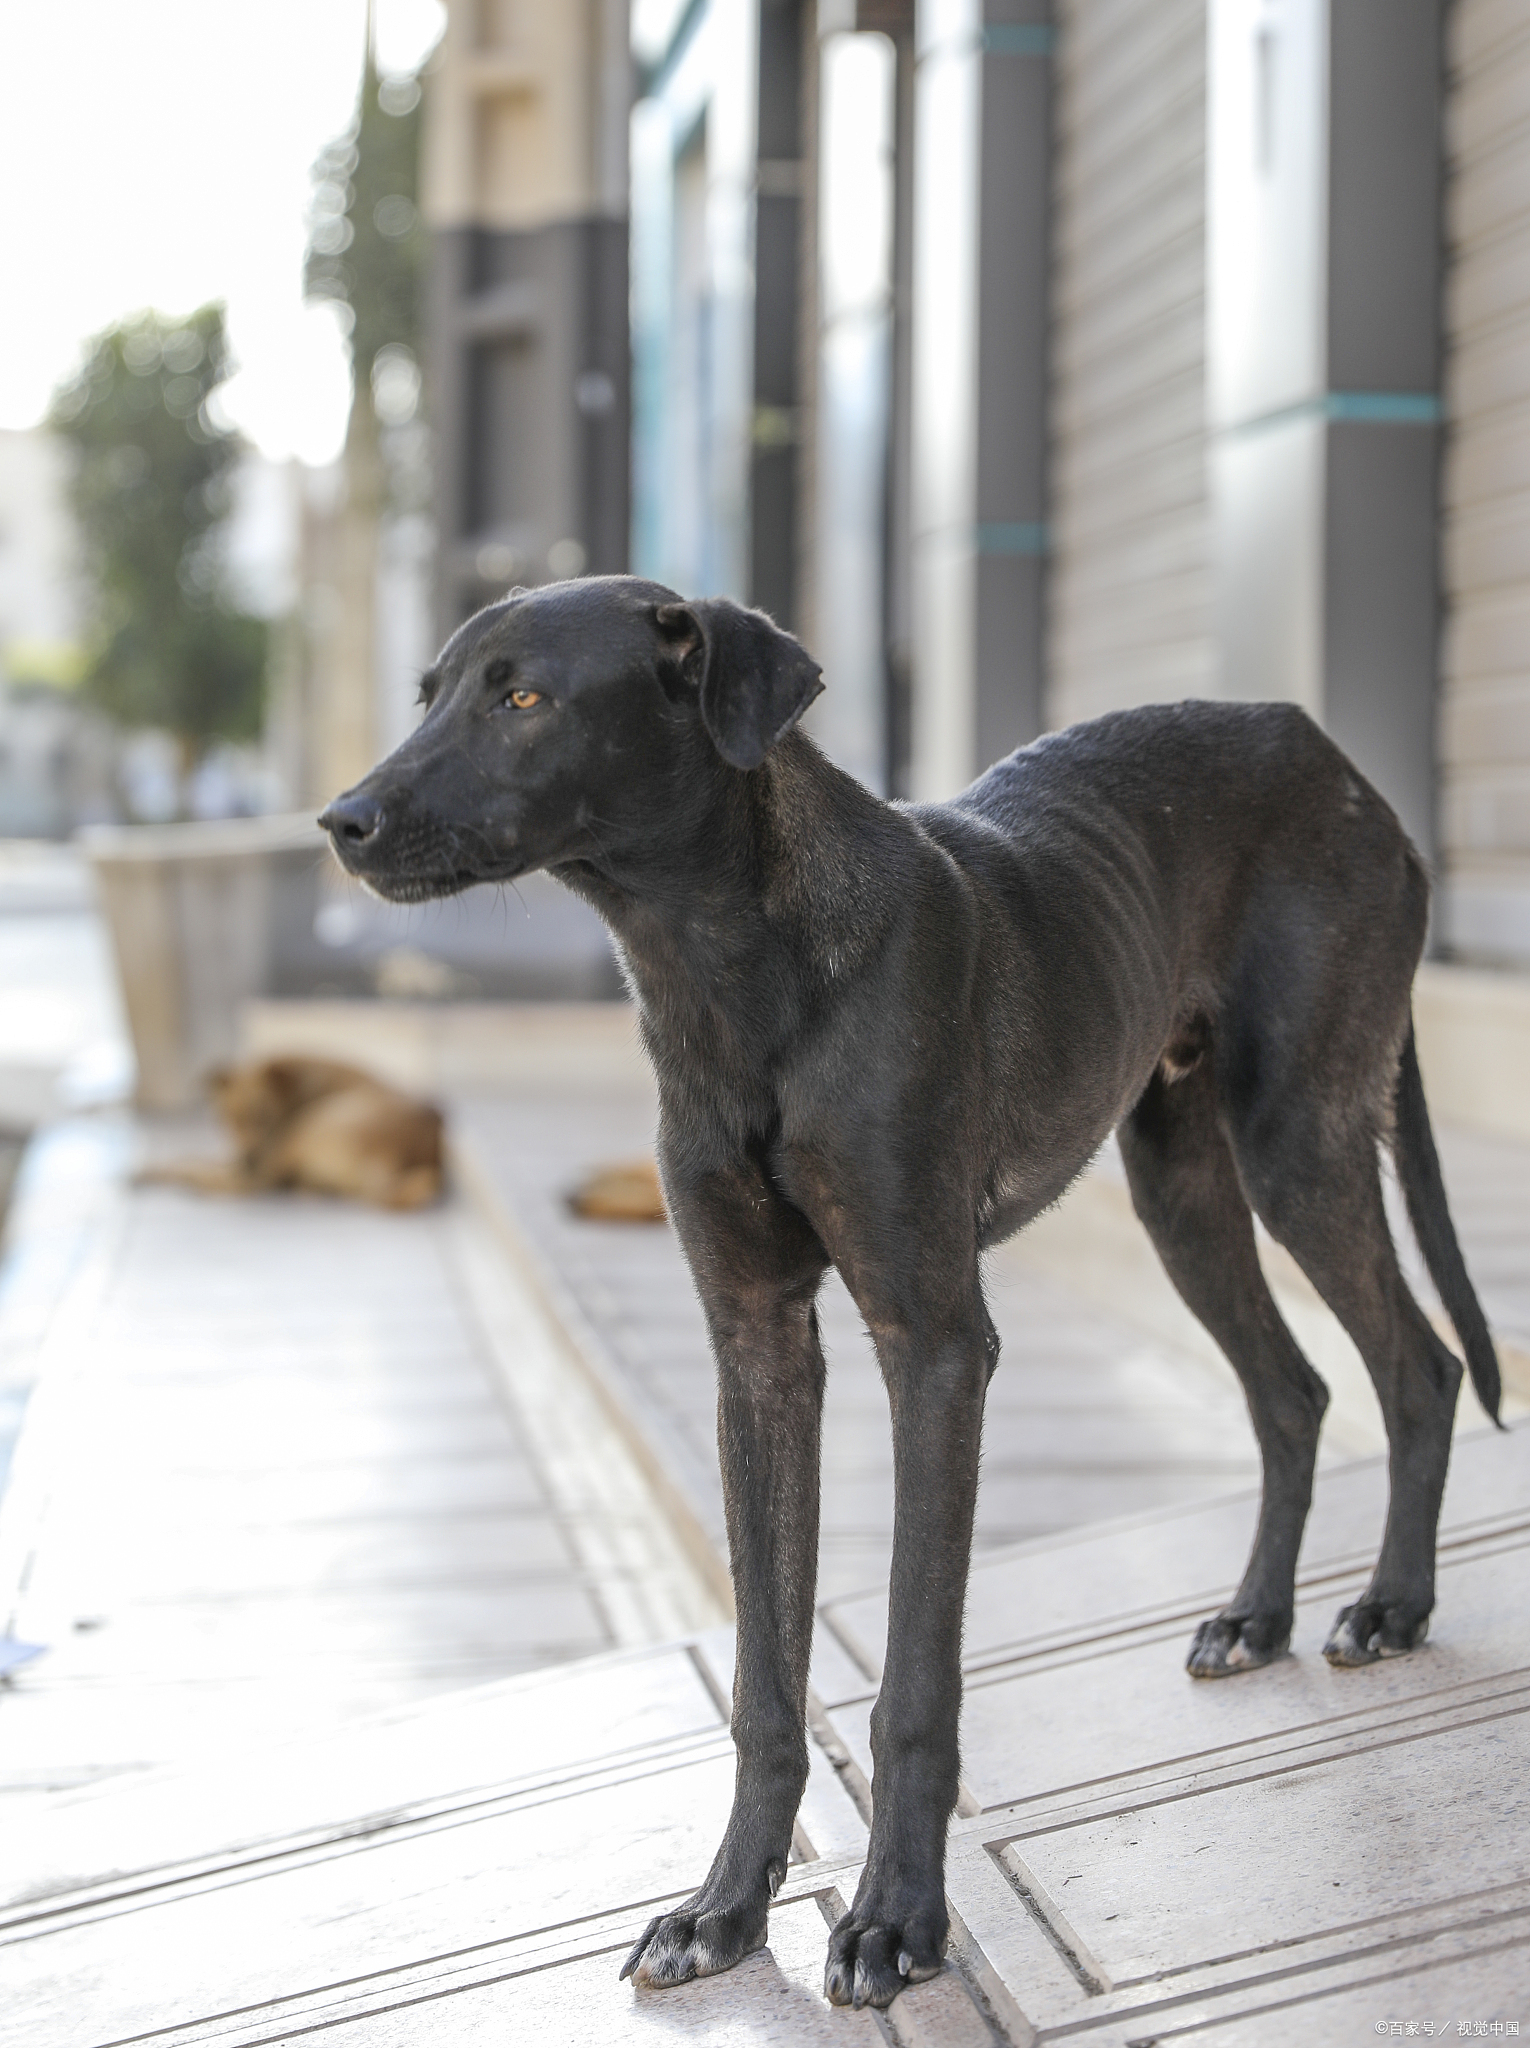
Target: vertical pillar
(700,419)
(524,190)
(778,192)
(858,430)
(1323,340)
(978,532)
(897,21)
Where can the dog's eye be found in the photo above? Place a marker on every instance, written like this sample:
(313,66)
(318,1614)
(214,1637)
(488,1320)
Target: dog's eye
(524,699)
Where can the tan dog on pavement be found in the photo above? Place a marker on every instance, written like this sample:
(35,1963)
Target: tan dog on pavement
(629,1193)
(319,1125)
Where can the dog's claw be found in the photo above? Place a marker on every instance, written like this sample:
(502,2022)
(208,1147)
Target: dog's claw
(905,1962)
(635,1954)
(838,1983)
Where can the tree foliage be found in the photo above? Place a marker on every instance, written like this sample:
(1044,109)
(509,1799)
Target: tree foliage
(366,246)
(151,494)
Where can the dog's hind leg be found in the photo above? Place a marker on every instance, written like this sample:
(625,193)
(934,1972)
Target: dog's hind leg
(1185,1188)
(1312,1172)
(757,1266)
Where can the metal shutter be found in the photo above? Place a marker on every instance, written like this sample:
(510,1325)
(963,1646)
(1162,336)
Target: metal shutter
(1485,706)
(1130,617)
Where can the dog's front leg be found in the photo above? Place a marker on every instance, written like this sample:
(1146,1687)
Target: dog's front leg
(895,1932)
(770,1403)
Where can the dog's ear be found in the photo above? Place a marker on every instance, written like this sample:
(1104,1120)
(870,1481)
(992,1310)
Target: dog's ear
(754,681)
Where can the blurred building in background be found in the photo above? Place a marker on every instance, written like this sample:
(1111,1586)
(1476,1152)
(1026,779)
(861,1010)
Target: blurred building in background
(1036,360)
(1027,357)
(524,190)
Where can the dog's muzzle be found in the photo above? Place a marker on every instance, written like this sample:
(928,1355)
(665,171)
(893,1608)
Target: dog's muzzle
(353,822)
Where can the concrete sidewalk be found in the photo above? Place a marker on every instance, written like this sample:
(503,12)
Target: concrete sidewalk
(1299,1855)
(1110,1399)
(304,1464)
(271,1476)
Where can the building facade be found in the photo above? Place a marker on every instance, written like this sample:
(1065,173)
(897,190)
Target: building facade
(1290,408)
(1484,703)
(1030,358)
(524,189)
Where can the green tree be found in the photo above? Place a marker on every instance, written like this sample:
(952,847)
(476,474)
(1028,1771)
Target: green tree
(366,244)
(151,493)
(365,254)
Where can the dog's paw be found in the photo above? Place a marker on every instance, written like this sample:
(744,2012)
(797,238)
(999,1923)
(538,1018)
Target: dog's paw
(871,1959)
(699,1940)
(1369,1631)
(1230,1643)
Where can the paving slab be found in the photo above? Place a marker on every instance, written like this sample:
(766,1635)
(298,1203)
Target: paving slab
(269,1479)
(63,1037)
(1087,1418)
(1297,1853)
(1294,1854)
(1204,1858)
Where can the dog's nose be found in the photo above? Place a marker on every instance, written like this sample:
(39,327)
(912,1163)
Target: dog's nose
(353,819)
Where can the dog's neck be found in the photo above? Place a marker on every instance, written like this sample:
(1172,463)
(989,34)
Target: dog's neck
(750,905)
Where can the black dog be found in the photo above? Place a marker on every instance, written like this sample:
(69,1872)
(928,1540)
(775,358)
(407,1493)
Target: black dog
(886,1036)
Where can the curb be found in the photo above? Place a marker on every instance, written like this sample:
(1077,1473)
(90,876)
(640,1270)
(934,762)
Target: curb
(587,1352)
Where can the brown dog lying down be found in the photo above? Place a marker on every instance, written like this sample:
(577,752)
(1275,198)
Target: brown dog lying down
(629,1193)
(315,1124)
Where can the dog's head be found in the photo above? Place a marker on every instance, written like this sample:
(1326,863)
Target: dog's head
(558,726)
(254,1100)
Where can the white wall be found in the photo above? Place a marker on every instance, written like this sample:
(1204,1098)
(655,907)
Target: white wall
(1130,616)
(1484,814)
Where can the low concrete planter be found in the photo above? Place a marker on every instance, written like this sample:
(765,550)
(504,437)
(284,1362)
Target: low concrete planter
(200,916)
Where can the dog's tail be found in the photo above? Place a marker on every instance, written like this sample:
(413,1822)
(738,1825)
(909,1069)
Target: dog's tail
(1418,1168)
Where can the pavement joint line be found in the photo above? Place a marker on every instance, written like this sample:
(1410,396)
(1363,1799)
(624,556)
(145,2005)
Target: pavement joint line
(607,1932)
(374,1994)
(990,1993)
(1174,1790)
(583,1350)
(1344,1730)
(63,1911)
(137,1779)
(1127,2004)
(1408,1923)
(639,1573)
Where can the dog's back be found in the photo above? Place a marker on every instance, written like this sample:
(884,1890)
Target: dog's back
(1156,878)
(1173,820)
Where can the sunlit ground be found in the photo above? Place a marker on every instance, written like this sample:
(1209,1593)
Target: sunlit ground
(62,1041)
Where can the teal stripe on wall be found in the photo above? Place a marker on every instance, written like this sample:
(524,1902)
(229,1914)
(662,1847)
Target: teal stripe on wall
(1019,39)
(1377,408)
(1394,408)
(1013,537)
